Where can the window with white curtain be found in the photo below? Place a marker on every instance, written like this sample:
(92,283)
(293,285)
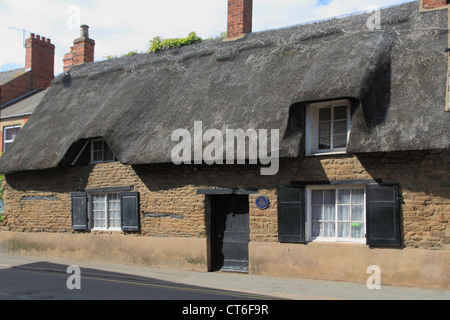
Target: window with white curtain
(9,135)
(106,211)
(327,127)
(336,214)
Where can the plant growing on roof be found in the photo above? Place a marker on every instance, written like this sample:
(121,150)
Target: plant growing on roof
(131,53)
(158,44)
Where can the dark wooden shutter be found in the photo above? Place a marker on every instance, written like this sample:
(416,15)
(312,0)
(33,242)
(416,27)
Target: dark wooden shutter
(79,211)
(291,214)
(129,211)
(383,216)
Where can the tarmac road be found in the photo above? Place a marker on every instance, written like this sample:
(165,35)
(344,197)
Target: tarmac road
(209,285)
(48,281)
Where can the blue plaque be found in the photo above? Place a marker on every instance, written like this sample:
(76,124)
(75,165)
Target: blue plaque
(262,202)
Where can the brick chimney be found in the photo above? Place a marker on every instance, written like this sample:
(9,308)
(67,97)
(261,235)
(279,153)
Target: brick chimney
(82,50)
(434,4)
(240,14)
(40,59)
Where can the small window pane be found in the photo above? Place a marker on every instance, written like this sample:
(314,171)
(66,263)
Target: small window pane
(329,197)
(115,223)
(99,223)
(325,114)
(328,213)
(344,213)
(317,196)
(98,146)
(329,229)
(6,147)
(11,133)
(324,135)
(344,196)
(108,155)
(340,141)
(357,196)
(344,230)
(340,127)
(340,112)
(358,230)
(317,213)
(316,228)
(358,213)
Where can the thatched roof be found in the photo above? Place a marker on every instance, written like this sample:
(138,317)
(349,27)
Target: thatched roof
(263,81)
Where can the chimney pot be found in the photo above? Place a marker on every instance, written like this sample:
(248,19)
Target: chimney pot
(84,31)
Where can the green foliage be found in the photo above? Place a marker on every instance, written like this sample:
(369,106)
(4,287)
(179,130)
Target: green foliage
(131,53)
(1,197)
(158,44)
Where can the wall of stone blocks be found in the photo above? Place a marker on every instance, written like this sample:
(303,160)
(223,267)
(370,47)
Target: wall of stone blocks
(39,201)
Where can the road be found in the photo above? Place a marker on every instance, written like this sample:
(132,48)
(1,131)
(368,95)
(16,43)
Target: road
(46,281)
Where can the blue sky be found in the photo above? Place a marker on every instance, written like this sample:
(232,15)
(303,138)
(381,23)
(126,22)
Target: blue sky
(119,28)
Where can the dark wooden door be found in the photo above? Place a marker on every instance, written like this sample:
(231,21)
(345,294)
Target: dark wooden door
(230,233)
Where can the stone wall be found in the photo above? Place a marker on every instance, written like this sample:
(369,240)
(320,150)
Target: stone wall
(40,201)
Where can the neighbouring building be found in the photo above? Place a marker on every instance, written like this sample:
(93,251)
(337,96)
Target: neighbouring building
(17,86)
(15,113)
(363,172)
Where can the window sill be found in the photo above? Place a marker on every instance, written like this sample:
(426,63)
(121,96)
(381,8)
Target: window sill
(97,162)
(338,241)
(105,230)
(328,153)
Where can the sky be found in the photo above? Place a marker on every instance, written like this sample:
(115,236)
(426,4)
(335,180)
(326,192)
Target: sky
(119,27)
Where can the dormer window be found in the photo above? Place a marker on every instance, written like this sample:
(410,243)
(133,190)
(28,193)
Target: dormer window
(100,151)
(327,127)
(90,151)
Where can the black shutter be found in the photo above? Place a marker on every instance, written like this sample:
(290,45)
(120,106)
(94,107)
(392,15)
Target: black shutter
(79,211)
(291,214)
(129,211)
(383,216)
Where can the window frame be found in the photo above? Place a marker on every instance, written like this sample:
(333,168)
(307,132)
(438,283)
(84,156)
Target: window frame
(335,239)
(92,142)
(106,211)
(312,127)
(17,126)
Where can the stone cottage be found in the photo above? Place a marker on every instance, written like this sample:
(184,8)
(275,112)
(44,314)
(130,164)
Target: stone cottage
(362,175)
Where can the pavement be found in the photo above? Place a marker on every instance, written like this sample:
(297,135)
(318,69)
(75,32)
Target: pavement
(274,287)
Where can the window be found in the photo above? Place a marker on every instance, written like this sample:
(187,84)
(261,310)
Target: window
(100,151)
(336,214)
(327,127)
(9,135)
(106,211)
(344,212)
